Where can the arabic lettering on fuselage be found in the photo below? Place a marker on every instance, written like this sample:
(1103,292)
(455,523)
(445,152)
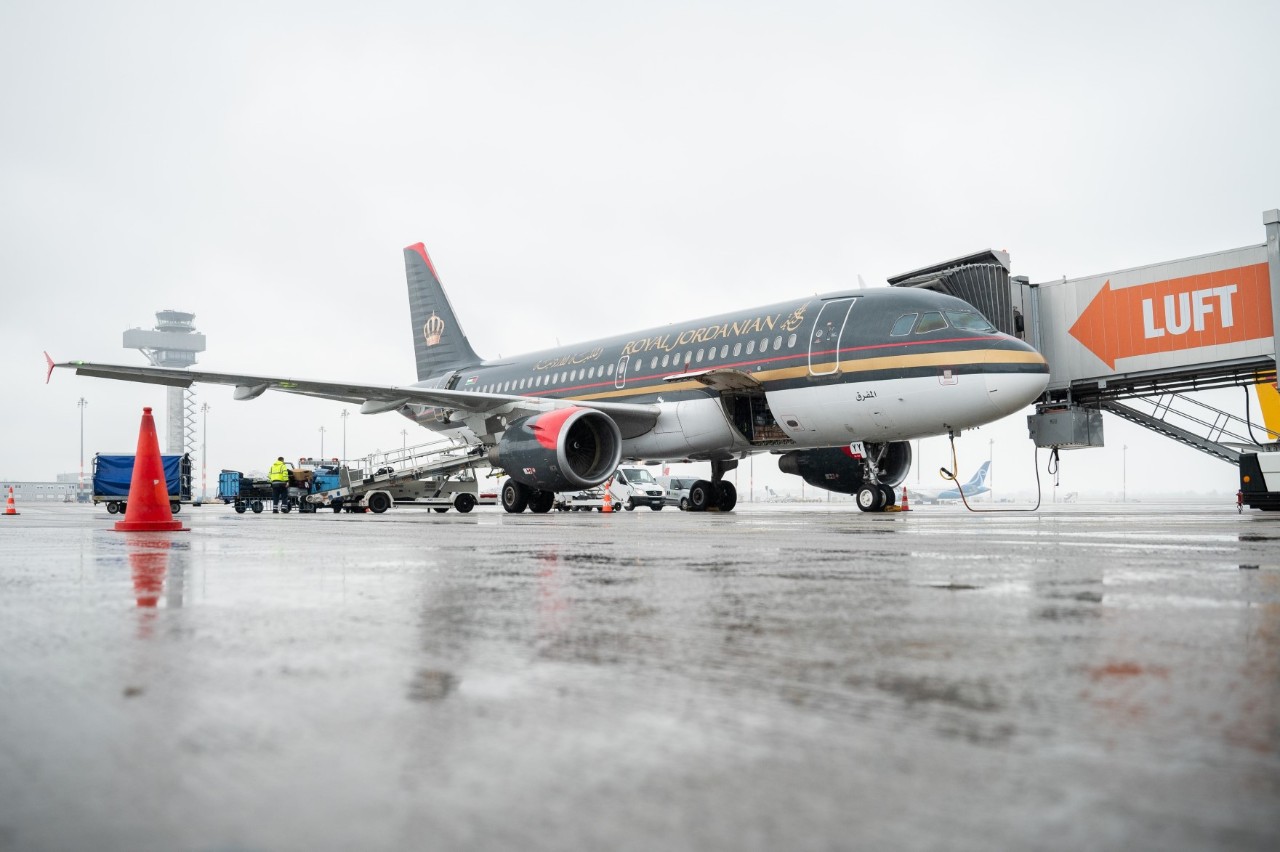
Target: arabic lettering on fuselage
(708,333)
(861,395)
(569,360)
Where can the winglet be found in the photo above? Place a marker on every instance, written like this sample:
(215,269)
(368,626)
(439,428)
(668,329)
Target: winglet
(49,374)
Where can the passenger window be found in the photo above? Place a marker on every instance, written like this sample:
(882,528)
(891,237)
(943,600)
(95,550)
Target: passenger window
(653,363)
(903,325)
(777,342)
(711,353)
(764,345)
(724,351)
(791,342)
(666,359)
(699,358)
(751,346)
(688,357)
(737,349)
(931,321)
(610,370)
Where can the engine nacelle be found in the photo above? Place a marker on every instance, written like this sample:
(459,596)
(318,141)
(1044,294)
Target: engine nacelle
(560,450)
(835,469)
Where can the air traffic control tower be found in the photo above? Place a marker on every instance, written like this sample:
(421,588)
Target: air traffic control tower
(174,342)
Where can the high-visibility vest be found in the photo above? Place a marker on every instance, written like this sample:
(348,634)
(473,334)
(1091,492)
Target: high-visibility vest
(279,472)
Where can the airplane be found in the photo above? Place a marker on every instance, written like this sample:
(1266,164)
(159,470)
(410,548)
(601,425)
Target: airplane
(837,385)
(976,485)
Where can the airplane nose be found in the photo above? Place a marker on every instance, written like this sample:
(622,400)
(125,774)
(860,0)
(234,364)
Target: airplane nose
(1016,376)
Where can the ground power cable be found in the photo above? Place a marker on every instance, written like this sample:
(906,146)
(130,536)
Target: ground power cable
(946,474)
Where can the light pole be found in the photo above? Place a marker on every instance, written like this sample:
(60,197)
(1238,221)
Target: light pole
(80,488)
(321,442)
(204,453)
(991,479)
(1124,474)
(345,415)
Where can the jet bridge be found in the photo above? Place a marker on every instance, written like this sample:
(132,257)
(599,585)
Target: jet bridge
(1136,341)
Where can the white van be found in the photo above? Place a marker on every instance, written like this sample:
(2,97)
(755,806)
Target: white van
(677,488)
(635,486)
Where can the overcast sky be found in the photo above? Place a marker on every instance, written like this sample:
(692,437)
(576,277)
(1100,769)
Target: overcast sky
(577,169)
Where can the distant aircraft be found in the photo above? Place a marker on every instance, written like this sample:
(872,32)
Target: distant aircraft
(976,485)
(838,384)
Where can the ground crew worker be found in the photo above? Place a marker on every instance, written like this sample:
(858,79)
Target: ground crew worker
(279,476)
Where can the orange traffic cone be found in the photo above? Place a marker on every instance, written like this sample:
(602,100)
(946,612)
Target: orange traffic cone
(608,498)
(9,507)
(148,504)
(906,507)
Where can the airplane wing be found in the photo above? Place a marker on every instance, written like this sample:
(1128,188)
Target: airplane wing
(631,418)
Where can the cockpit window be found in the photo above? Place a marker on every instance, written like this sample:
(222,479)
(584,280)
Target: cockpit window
(931,321)
(970,321)
(903,325)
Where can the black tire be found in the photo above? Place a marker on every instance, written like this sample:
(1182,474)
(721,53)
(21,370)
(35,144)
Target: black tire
(542,501)
(515,497)
(700,496)
(657,507)
(287,506)
(240,507)
(870,498)
(890,496)
(684,504)
(631,504)
(175,507)
(256,506)
(728,497)
(379,502)
(439,510)
(113,508)
(464,503)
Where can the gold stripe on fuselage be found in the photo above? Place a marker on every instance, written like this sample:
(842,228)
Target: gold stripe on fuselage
(863,365)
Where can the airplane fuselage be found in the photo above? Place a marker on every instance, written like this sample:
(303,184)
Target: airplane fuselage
(888,364)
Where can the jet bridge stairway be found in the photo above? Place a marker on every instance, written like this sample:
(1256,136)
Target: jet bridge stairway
(1189,422)
(394,470)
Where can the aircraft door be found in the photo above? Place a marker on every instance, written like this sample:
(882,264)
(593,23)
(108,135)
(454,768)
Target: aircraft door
(620,377)
(824,338)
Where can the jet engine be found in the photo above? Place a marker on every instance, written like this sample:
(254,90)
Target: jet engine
(835,468)
(560,450)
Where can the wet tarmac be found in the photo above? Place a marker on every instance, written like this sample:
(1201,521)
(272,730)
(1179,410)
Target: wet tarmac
(799,677)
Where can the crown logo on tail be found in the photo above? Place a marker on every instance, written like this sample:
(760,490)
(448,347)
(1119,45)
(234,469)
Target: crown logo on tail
(432,331)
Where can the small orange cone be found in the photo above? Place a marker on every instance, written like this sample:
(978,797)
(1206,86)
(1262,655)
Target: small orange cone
(147,509)
(9,507)
(906,507)
(608,498)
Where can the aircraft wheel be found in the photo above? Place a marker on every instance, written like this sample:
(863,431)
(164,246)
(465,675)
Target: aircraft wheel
(700,496)
(379,502)
(464,503)
(542,501)
(515,497)
(870,498)
(890,496)
(728,496)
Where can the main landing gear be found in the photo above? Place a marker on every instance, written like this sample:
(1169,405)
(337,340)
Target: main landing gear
(716,495)
(516,497)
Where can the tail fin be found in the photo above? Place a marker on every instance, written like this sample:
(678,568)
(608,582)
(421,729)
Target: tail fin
(438,341)
(980,478)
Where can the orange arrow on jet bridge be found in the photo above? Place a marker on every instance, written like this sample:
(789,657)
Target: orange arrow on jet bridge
(1229,306)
